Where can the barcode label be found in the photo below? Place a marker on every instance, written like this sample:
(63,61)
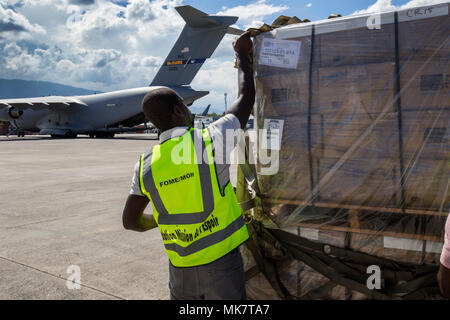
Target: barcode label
(272,134)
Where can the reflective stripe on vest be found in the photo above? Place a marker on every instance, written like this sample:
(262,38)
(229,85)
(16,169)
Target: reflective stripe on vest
(207,241)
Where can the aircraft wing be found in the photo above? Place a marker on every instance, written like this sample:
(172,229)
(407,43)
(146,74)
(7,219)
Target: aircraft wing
(50,103)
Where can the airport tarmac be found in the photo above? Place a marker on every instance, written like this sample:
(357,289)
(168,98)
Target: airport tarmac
(61,203)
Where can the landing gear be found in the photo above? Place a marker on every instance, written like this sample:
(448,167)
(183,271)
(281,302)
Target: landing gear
(67,135)
(101,135)
(21,134)
(70,135)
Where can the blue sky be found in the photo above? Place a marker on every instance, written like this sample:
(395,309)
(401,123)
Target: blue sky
(319,9)
(109,45)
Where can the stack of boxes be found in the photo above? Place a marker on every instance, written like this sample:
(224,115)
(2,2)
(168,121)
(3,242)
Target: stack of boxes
(425,73)
(352,117)
(365,106)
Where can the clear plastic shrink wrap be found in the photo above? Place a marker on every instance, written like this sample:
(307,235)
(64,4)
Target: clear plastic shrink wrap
(362,104)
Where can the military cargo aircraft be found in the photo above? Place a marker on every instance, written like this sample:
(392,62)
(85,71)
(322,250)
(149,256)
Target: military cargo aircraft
(104,115)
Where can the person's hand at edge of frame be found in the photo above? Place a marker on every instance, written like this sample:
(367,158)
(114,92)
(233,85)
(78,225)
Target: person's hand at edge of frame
(243,45)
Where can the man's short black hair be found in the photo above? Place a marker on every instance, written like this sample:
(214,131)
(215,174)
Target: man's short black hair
(158,106)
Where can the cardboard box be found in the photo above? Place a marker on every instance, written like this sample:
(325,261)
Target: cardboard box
(425,84)
(355,136)
(291,182)
(283,94)
(334,135)
(376,182)
(426,135)
(355,89)
(361,77)
(426,184)
(355,46)
(418,39)
(367,182)
(423,38)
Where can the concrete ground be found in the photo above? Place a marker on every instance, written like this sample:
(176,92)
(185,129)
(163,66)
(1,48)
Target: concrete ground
(61,205)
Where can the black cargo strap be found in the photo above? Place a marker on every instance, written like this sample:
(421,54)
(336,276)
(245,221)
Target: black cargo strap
(247,205)
(251,183)
(346,267)
(265,265)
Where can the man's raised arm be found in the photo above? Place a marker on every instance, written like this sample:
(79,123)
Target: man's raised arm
(242,107)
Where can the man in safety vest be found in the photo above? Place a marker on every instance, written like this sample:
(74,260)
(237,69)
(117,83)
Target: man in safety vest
(187,182)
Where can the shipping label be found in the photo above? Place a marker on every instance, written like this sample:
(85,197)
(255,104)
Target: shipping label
(272,134)
(280,53)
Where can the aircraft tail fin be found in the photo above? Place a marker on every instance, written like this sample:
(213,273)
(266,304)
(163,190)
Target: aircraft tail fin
(198,40)
(205,112)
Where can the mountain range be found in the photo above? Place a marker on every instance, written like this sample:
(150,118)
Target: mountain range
(15,88)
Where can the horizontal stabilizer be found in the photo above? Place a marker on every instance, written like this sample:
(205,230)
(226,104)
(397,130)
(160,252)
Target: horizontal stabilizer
(198,19)
(189,95)
(235,31)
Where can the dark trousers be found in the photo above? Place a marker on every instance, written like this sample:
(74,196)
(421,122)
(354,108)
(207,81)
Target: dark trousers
(222,279)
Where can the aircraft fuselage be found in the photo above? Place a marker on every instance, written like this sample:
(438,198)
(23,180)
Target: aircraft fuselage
(100,111)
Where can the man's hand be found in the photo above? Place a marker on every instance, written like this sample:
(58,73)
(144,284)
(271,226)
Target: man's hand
(133,217)
(242,107)
(243,45)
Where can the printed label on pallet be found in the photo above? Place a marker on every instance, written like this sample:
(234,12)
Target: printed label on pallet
(280,53)
(272,134)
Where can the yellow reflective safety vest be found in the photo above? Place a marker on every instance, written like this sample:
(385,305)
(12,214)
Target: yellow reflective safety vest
(198,222)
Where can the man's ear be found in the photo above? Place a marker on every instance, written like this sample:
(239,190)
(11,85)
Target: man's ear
(178,111)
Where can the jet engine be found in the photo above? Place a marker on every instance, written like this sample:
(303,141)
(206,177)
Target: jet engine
(10,114)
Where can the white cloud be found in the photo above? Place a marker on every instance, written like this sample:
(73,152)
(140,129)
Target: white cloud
(65,65)
(253,12)
(16,26)
(309,5)
(103,45)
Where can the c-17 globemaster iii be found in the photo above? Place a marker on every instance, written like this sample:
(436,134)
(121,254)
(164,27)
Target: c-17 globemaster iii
(103,115)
